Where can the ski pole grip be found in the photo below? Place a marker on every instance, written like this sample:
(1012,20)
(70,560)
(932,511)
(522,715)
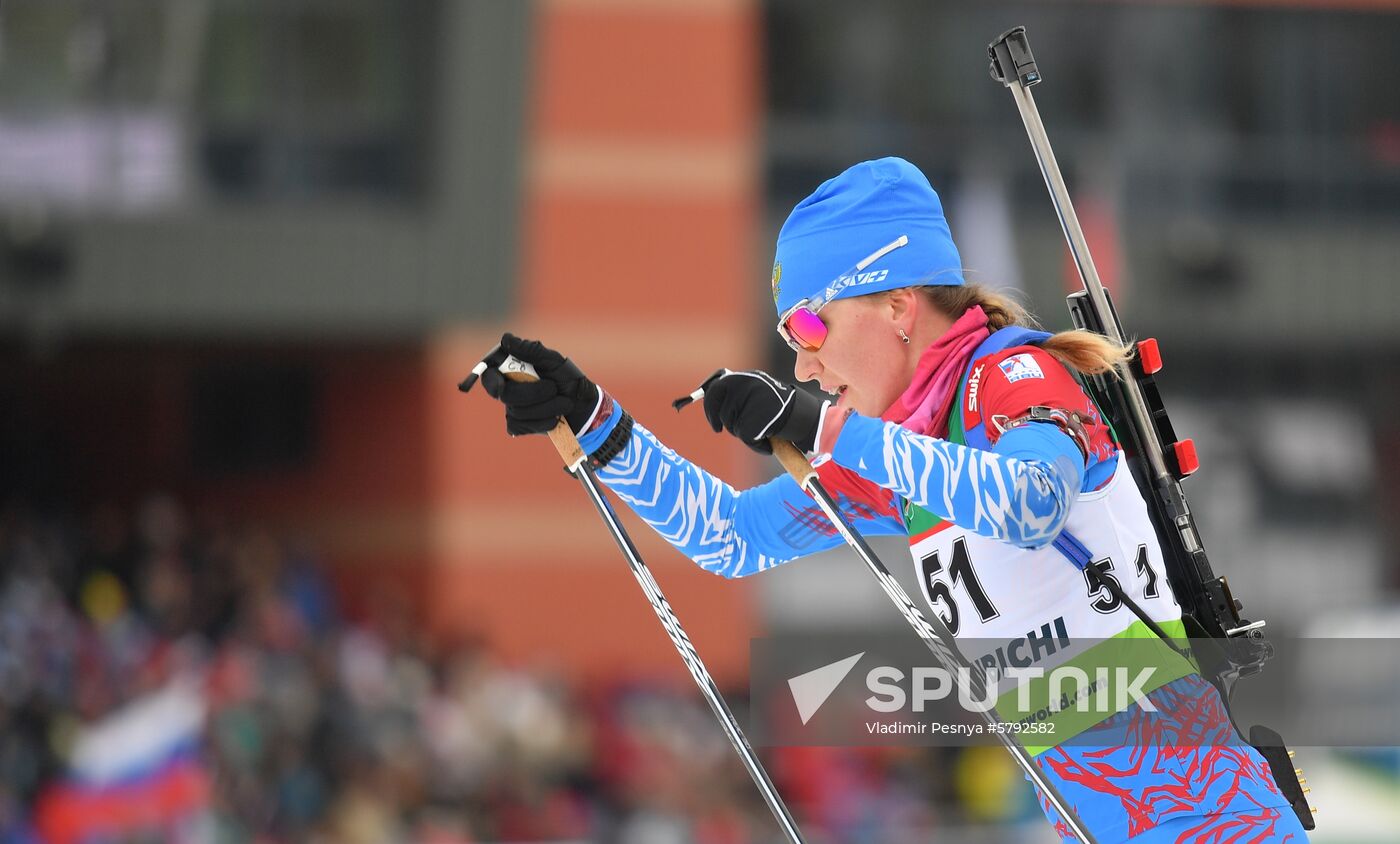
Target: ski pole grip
(794,461)
(561,435)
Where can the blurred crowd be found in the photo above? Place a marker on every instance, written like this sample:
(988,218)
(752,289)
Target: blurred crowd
(321,727)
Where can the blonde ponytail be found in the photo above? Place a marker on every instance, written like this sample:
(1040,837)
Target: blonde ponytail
(1082,351)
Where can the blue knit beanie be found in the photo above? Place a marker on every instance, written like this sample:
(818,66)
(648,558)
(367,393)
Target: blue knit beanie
(855,215)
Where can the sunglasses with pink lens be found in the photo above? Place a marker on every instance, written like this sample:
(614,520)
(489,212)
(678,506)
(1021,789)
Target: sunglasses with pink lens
(801,328)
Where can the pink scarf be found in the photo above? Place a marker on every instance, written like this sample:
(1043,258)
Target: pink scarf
(926,404)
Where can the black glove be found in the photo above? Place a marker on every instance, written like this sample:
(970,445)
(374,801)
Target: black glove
(754,406)
(535,407)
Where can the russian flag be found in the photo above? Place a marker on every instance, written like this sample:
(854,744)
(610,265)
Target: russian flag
(137,770)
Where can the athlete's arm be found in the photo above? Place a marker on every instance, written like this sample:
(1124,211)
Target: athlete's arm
(727,531)
(1021,490)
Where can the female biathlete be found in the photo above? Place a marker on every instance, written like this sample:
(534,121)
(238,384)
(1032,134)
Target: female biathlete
(958,424)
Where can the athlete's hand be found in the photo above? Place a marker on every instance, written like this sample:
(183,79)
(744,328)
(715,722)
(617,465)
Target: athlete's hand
(754,406)
(534,407)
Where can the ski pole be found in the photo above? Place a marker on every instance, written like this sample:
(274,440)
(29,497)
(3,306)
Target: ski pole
(935,634)
(576,461)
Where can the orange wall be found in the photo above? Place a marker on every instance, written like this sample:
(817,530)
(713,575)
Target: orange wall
(638,262)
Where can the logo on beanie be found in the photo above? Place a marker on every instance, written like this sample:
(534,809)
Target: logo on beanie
(777,280)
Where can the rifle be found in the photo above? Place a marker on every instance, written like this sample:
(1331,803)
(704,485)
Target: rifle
(1227,646)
